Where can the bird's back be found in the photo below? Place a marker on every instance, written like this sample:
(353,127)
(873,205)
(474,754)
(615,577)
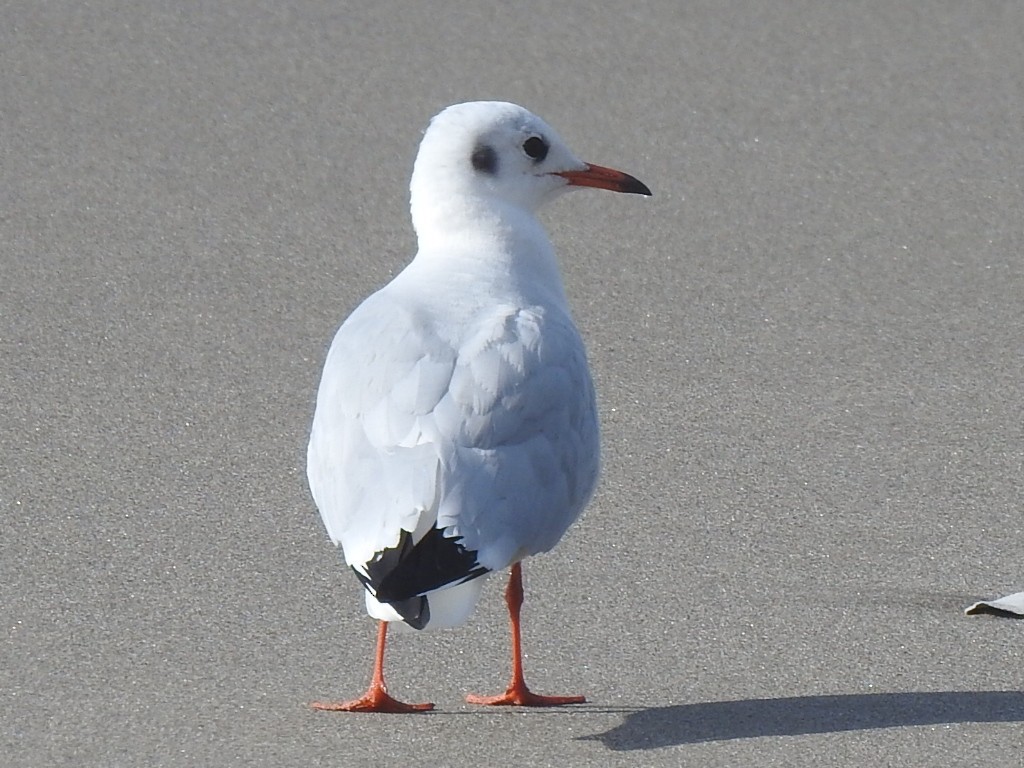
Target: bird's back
(473,417)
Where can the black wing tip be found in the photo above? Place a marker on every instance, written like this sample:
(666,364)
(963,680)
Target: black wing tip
(415,611)
(407,571)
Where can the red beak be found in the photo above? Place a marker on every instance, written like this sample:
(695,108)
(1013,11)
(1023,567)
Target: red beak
(605,178)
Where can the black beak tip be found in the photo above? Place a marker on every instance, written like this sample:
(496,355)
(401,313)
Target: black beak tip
(636,187)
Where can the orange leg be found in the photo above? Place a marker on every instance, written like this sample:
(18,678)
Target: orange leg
(376,698)
(518,694)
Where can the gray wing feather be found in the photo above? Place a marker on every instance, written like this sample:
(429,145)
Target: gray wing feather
(491,434)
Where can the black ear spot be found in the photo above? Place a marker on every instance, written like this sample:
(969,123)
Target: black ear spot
(485,159)
(536,148)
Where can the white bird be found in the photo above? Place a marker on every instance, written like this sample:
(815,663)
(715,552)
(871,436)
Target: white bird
(456,430)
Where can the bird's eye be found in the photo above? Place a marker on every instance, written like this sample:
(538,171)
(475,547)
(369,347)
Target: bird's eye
(536,148)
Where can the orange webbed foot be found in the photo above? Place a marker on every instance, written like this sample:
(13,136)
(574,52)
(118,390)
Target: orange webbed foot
(521,696)
(374,700)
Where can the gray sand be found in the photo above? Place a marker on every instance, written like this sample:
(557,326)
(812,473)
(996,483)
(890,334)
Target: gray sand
(807,345)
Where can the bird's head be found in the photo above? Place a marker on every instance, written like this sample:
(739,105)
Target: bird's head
(485,152)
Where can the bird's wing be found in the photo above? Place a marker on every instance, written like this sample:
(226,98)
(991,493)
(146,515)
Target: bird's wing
(371,471)
(521,421)
(487,431)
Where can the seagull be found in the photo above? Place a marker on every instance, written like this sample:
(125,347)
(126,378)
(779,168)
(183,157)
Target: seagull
(456,430)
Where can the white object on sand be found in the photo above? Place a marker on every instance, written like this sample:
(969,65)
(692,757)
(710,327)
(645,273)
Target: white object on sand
(1011,606)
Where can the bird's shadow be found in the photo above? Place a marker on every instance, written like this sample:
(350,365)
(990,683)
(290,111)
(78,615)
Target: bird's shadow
(724,720)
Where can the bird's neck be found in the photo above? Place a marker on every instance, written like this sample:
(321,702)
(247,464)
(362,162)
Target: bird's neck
(501,246)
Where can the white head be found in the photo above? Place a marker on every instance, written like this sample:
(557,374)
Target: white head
(496,155)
